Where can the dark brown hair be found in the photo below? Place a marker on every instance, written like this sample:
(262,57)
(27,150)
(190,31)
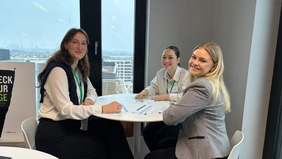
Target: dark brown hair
(62,56)
(176,51)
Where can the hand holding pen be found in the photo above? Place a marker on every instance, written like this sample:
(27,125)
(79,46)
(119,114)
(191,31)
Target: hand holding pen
(143,94)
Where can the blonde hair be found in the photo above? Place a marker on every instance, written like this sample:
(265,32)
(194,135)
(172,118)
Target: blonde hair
(215,76)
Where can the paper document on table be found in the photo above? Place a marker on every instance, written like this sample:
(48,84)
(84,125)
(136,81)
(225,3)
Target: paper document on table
(104,100)
(136,108)
(157,109)
(157,106)
(127,100)
(133,106)
(145,107)
(121,98)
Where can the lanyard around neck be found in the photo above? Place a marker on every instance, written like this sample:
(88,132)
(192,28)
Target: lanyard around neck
(79,84)
(171,86)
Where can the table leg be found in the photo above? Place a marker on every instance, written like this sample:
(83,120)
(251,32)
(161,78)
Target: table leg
(136,140)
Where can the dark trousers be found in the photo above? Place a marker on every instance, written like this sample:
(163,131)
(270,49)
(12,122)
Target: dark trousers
(104,139)
(168,153)
(157,135)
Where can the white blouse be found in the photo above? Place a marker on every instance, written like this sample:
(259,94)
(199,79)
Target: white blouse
(163,84)
(56,101)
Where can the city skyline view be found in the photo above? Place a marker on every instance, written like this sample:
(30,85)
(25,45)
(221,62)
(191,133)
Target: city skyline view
(40,25)
(33,31)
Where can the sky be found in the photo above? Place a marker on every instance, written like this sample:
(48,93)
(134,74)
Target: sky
(41,24)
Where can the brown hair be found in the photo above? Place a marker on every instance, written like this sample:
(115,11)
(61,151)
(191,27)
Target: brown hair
(62,56)
(176,51)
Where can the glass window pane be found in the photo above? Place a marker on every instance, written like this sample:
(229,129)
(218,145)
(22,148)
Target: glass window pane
(117,46)
(33,30)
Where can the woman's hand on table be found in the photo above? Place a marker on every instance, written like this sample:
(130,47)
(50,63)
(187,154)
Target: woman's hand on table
(113,107)
(143,94)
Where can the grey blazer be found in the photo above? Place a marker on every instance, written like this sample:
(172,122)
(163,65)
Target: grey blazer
(202,134)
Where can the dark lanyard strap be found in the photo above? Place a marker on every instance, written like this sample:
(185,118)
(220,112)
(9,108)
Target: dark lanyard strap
(79,84)
(171,86)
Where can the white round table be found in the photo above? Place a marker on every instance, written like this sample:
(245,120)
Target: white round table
(23,153)
(129,101)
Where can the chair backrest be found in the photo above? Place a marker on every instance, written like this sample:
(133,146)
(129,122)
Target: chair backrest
(236,143)
(29,127)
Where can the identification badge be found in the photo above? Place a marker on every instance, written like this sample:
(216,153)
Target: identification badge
(174,89)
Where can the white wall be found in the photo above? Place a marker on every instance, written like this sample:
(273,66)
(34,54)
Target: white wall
(233,32)
(247,32)
(173,22)
(260,72)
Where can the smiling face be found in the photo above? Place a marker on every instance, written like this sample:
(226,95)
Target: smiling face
(77,46)
(169,60)
(201,63)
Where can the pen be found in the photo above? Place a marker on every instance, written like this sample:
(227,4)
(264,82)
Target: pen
(141,107)
(145,110)
(124,108)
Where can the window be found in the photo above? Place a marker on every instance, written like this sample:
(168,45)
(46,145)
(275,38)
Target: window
(116,31)
(33,30)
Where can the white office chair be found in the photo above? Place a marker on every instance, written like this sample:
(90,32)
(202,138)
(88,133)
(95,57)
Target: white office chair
(29,127)
(236,143)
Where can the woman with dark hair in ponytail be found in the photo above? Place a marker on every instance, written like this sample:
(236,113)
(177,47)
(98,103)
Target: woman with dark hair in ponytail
(167,85)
